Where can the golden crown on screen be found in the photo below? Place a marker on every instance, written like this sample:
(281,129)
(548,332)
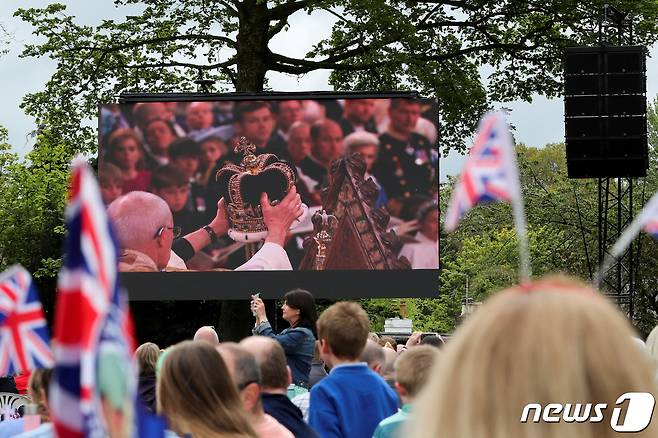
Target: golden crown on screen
(242,186)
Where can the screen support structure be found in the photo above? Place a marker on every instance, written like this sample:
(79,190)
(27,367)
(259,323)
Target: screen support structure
(615,195)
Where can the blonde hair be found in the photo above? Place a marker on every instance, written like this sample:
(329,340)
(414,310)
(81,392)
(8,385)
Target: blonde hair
(553,341)
(147,356)
(196,394)
(344,326)
(413,368)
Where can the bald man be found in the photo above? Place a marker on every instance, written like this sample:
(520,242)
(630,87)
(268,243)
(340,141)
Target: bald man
(275,379)
(199,119)
(207,334)
(145,229)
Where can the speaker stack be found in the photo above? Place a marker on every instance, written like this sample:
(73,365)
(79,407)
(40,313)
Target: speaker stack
(605,111)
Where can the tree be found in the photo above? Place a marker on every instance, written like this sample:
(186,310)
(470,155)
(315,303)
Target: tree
(439,47)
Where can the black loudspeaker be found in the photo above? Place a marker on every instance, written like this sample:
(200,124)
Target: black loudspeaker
(605,111)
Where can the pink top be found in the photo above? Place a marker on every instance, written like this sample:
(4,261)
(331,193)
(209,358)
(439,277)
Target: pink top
(141,182)
(270,428)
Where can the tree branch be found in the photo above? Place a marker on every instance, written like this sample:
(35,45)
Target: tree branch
(285,10)
(172,38)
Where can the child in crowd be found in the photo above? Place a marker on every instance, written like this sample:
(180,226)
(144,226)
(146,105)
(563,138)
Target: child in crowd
(125,150)
(110,180)
(352,399)
(185,155)
(412,370)
(159,135)
(212,149)
(172,185)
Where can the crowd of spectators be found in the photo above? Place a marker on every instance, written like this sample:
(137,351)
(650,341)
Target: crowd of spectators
(174,150)
(554,340)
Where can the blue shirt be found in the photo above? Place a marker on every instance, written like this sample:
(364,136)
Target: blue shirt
(299,345)
(350,402)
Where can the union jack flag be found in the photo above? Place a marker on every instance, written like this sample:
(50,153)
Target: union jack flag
(92,325)
(490,173)
(23,329)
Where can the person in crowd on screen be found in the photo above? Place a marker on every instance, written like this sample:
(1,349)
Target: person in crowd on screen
(197,396)
(212,150)
(286,113)
(326,146)
(159,135)
(298,341)
(373,355)
(358,116)
(367,144)
(554,340)
(144,112)
(424,252)
(146,357)
(404,165)
(110,180)
(145,230)
(124,149)
(185,155)
(276,377)
(299,148)
(246,375)
(353,399)
(255,121)
(412,371)
(199,119)
(207,334)
(172,185)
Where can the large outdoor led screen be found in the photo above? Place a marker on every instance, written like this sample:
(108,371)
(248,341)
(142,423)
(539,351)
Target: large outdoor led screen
(365,167)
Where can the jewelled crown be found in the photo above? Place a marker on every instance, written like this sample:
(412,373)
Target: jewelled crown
(242,186)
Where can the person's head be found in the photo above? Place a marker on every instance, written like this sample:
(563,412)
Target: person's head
(207,334)
(143,222)
(388,369)
(212,149)
(551,341)
(147,356)
(287,113)
(428,218)
(38,388)
(124,149)
(364,143)
(404,115)
(299,141)
(327,139)
(198,116)
(342,332)
(185,155)
(373,355)
(274,371)
(196,393)
(433,341)
(143,113)
(110,180)
(299,309)
(254,120)
(412,370)
(388,342)
(159,134)
(245,373)
(359,111)
(172,185)
(372,336)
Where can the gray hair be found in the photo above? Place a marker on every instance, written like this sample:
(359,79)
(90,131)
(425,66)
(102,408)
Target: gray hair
(137,216)
(358,139)
(373,354)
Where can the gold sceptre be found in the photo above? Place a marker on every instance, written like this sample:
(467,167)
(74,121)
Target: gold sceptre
(326,224)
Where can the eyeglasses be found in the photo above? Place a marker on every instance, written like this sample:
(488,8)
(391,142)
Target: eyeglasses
(243,385)
(175,230)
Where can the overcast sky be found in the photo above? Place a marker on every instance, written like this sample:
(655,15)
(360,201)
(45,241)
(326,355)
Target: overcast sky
(537,123)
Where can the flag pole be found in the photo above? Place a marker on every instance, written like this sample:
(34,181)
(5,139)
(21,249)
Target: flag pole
(627,236)
(525,270)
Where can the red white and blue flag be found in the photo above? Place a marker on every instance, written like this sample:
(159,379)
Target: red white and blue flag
(490,173)
(92,325)
(650,218)
(24,340)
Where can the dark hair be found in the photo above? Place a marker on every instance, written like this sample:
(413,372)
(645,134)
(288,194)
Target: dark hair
(433,340)
(184,147)
(243,108)
(303,301)
(395,103)
(169,124)
(167,176)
